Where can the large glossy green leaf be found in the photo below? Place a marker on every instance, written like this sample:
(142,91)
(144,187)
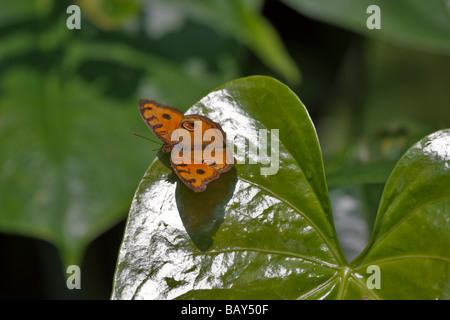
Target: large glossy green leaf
(417,24)
(254,236)
(248,235)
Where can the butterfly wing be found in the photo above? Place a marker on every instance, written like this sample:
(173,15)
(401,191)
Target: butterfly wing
(196,176)
(161,119)
(190,123)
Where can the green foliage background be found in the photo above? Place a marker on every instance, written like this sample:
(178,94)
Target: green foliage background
(68,107)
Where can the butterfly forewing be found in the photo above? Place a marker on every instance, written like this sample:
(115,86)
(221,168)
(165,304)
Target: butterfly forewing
(161,119)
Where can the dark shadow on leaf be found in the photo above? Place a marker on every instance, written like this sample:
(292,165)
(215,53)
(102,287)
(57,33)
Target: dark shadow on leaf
(202,213)
(164,157)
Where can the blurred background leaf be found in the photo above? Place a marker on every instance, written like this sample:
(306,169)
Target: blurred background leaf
(68,109)
(414,24)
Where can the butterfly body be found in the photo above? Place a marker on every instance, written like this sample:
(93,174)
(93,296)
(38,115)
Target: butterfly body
(193,165)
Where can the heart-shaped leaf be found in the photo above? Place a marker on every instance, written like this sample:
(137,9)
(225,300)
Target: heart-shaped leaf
(248,235)
(255,234)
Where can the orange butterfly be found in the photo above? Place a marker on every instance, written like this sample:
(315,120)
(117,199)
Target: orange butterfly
(199,164)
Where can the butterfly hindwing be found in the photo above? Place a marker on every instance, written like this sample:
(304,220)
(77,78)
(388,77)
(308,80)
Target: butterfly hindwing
(197,175)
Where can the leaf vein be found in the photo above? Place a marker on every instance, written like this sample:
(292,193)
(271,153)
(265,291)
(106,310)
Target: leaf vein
(274,252)
(383,237)
(324,238)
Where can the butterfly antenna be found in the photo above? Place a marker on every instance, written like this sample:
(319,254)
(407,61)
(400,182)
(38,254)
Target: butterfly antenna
(138,135)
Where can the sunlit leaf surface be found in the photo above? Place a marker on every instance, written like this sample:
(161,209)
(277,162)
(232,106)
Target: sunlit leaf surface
(249,235)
